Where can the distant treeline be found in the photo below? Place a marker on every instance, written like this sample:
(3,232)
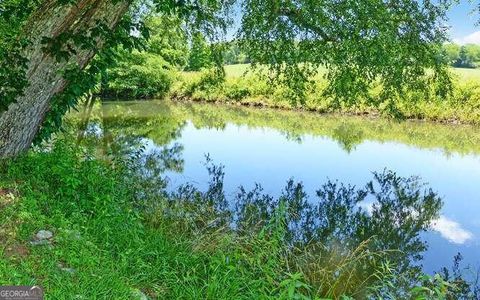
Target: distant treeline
(234,55)
(201,54)
(466,56)
(458,56)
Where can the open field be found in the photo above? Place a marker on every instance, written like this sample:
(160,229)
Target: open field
(467,75)
(463,75)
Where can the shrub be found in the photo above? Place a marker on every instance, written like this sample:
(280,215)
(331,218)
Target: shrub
(139,76)
(236,92)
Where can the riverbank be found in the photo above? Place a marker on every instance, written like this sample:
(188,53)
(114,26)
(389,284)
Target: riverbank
(90,223)
(242,87)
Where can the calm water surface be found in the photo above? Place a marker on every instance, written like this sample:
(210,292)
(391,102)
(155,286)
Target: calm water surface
(269,147)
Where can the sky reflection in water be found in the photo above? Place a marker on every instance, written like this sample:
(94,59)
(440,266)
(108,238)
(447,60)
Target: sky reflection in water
(254,149)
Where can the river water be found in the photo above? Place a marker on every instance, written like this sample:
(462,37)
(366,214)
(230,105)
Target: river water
(269,147)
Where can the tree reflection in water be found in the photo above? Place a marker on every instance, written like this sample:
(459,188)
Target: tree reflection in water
(346,238)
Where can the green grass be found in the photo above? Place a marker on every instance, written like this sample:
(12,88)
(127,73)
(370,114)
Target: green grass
(464,75)
(235,71)
(462,106)
(113,248)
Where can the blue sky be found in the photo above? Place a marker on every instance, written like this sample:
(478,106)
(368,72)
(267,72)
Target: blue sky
(462,22)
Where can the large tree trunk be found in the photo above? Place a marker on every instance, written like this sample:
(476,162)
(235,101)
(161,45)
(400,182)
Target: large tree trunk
(21,122)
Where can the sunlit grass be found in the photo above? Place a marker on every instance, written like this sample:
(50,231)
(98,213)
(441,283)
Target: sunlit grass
(467,75)
(235,71)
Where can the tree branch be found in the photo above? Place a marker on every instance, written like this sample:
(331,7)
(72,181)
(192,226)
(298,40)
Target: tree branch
(297,18)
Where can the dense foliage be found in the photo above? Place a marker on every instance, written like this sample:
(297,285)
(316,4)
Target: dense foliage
(138,75)
(148,73)
(13,15)
(392,43)
(233,54)
(466,56)
(200,55)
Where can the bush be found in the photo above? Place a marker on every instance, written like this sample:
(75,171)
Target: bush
(237,92)
(139,76)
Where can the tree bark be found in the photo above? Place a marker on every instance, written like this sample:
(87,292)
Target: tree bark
(21,121)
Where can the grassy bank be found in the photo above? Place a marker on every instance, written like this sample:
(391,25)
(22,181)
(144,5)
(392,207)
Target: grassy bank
(117,234)
(250,89)
(105,246)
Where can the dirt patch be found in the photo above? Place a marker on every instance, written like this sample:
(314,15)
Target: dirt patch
(16,251)
(7,197)
(4,192)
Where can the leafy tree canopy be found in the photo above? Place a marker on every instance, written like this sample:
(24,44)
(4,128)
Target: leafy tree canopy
(395,42)
(359,42)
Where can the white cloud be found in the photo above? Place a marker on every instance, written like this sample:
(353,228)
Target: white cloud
(473,38)
(457,41)
(448,229)
(451,230)
(367,206)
